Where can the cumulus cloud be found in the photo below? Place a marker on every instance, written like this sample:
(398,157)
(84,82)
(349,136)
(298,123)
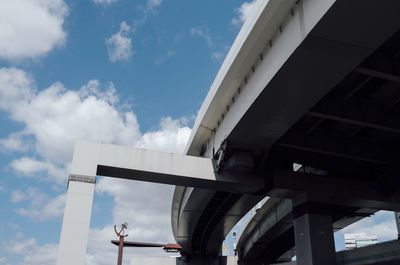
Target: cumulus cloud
(4,261)
(119,45)
(62,116)
(92,112)
(13,143)
(39,21)
(172,136)
(20,245)
(53,208)
(33,168)
(104,2)
(244,12)
(33,252)
(39,206)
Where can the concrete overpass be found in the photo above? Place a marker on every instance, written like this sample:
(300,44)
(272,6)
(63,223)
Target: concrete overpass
(313,82)
(282,107)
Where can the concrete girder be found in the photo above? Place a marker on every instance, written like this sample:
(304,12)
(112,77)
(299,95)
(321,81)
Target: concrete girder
(354,149)
(332,190)
(358,111)
(378,74)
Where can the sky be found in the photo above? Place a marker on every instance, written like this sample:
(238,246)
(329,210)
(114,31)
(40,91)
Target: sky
(113,71)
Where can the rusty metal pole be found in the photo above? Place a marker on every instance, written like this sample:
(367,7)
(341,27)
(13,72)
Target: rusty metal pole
(121,235)
(120,250)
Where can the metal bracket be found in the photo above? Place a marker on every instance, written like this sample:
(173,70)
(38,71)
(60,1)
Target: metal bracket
(218,160)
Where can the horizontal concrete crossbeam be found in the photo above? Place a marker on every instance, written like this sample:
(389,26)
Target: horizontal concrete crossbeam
(91,159)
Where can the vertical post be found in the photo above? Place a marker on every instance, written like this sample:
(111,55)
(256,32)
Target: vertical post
(121,235)
(397,219)
(76,221)
(314,239)
(120,250)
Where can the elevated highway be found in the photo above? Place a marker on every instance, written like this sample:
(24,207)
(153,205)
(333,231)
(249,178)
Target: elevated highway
(308,82)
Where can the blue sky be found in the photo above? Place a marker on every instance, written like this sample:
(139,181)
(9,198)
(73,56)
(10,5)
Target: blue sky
(115,71)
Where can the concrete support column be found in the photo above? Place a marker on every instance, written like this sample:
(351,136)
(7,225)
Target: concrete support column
(76,222)
(314,239)
(397,219)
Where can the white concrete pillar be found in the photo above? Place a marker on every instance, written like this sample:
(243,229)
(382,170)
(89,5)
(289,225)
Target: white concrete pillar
(76,222)
(314,240)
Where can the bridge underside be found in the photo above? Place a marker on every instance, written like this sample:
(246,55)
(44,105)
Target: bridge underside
(332,107)
(351,137)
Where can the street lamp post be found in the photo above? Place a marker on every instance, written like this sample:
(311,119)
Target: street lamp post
(121,235)
(121,243)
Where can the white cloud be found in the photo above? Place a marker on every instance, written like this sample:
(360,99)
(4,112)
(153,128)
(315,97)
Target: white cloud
(4,261)
(104,2)
(39,206)
(119,45)
(33,252)
(171,137)
(16,86)
(153,4)
(214,44)
(42,254)
(20,244)
(217,56)
(244,12)
(54,208)
(203,33)
(39,21)
(13,143)
(61,116)
(33,168)
(17,196)
(31,194)
(163,58)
